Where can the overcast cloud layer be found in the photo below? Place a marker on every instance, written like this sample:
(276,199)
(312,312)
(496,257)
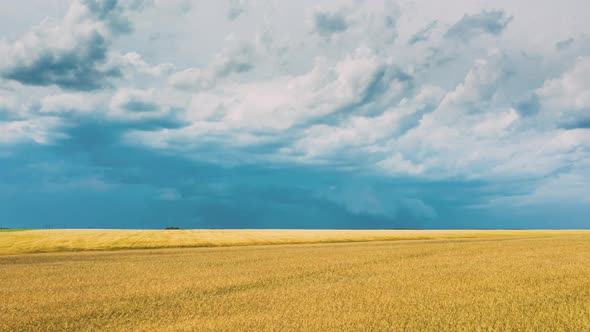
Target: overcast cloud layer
(295,114)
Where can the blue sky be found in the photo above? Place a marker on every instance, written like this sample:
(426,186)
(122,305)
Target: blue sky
(295,114)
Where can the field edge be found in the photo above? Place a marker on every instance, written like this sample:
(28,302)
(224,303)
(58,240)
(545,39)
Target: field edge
(77,240)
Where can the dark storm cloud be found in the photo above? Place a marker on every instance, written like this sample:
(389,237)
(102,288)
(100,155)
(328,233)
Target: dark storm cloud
(92,179)
(73,69)
(82,65)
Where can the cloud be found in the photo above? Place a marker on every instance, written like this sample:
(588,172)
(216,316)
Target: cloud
(172,6)
(474,134)
(320,115)
(238,58)
(40,130)
(569,187)
(528,106)
(236,8)
(326,23)
(136,105)
(8,106)
(135,64)
(92,167)
(567,98)
(83,66)
(255,112)
(486,22)
(191,79)
(69,103)
(424,34)
(478,88)
(134,101)
(364,113)
(564,44)
(73,53)
(125,108)
(361,134)
(419,209)
(354,24)
(112,12)
(395,202)
(399,165)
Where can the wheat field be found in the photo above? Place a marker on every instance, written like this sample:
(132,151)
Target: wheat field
(57,240)
(526,282)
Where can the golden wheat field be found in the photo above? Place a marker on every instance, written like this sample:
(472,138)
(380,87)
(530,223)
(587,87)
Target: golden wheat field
(34,241)
(537,281)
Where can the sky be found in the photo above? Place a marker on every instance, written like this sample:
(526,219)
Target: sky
(295,114)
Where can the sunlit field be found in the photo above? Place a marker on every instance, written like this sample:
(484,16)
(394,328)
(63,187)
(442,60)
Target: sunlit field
(34,241)
(487,281)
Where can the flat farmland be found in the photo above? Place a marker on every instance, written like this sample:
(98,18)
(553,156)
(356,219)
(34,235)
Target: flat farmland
(59,240)
(484,281)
